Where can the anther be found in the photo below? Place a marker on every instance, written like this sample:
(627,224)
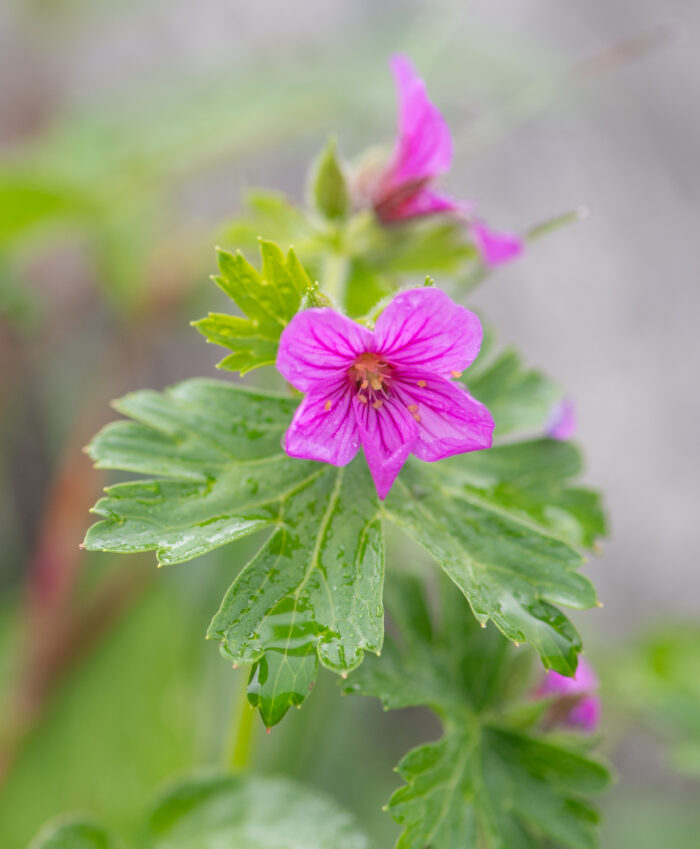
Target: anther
(416,416)
(364,384)
(422,384)
(327,405)
(412,408)
(362,399)
(456,373)
(377,404)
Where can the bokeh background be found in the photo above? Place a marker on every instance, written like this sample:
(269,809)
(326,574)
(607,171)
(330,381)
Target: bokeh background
(128,133)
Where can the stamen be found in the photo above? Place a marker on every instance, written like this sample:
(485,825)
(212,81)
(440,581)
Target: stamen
(412,408)
(416,416)
(327,405)
(362,399)
(370,374)
(377,404)
(456,373)
(422,384)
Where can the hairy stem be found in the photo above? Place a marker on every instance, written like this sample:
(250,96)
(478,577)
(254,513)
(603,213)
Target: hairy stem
(334,275)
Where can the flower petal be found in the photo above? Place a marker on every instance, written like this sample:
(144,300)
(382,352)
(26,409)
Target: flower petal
(562,421)
(450,421)
(423,201)
(585,714)
(324,428)
(318,346)
(424,328)
(424,146)
(584,681)
(495,248)
(388,435)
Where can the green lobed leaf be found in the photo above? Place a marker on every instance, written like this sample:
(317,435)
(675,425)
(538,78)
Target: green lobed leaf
(329,190)
(280,680)
(533,479)
(489,787)
(269,299)
(474,515)
(315,585)
(519,399)
(217,811)
(486,783)
(73,834)
(504,524)
(236,811)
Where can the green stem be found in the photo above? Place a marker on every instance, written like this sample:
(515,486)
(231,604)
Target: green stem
(334,275)
(242,729)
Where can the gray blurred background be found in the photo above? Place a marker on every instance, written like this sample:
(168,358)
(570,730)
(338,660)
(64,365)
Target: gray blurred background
(553,105)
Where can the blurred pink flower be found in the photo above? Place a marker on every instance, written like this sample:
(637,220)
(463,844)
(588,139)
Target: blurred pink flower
(495,248)
(562,420)
(577,703)
(388,389)
(423,151)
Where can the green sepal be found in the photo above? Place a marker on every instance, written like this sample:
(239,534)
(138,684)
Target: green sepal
(328,186)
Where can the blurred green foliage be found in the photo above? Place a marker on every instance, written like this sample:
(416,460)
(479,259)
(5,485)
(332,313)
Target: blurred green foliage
(208,812)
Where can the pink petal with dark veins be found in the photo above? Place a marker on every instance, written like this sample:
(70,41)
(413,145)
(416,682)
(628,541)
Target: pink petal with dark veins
(318,346)
(324,428)
(425,328)
(388,435)
(450,420)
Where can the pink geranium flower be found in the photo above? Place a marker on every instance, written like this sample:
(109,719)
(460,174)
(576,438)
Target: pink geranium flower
(576,704)
(423,151)
(389,390)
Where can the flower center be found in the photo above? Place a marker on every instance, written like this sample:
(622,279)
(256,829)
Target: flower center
(370,374)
